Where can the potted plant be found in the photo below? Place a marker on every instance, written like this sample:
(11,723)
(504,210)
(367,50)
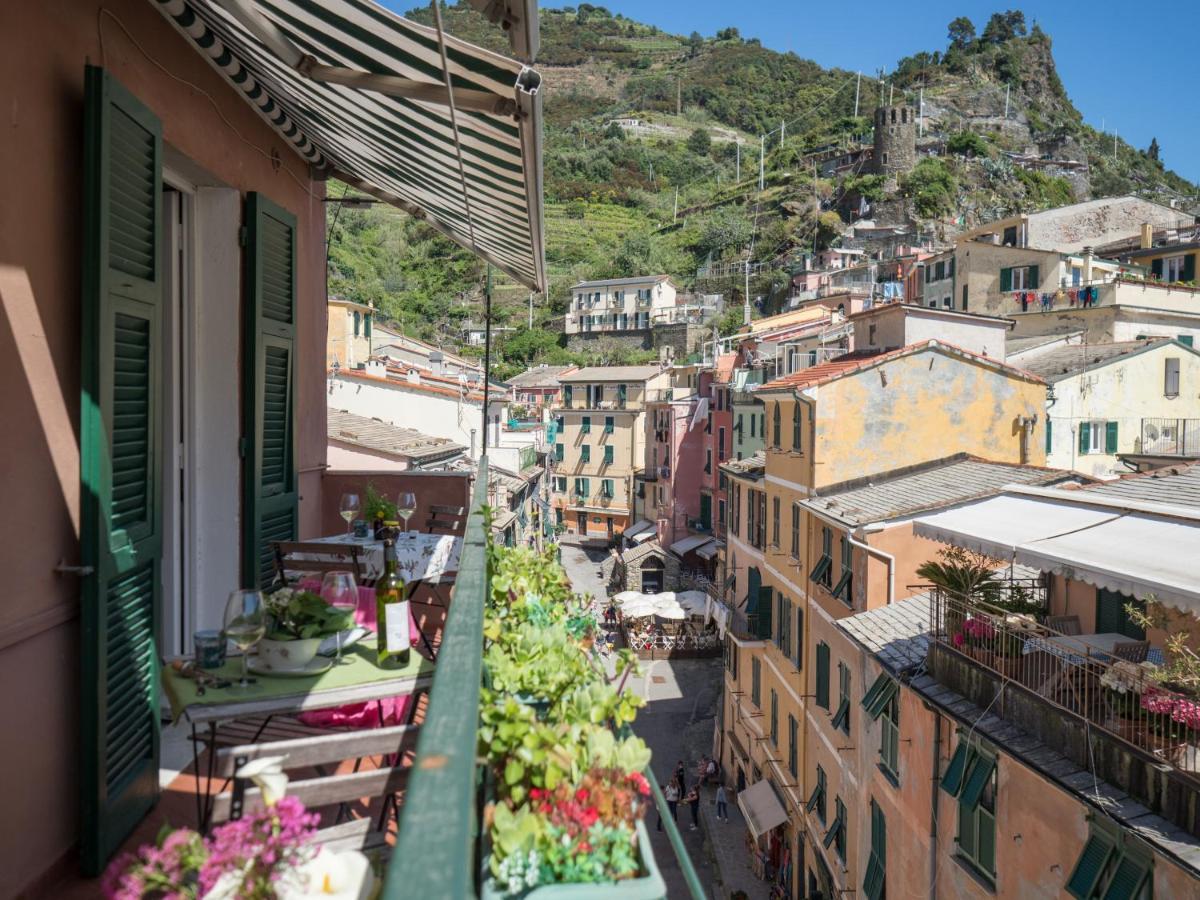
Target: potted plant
(1124,684)
(378,510)
(299,621)
(565,779)
(964,578)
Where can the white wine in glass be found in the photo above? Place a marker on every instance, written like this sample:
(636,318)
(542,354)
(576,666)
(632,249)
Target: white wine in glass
(406,505)
(349,508)
(245,625)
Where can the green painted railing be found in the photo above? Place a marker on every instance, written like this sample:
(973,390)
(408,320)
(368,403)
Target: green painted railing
(436,855)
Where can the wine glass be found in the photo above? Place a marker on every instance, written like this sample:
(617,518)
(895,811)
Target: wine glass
(340,591)
(406,505)
(245,625)
(349,508)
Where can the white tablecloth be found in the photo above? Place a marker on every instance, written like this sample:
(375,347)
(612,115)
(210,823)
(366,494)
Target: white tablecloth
(419,556)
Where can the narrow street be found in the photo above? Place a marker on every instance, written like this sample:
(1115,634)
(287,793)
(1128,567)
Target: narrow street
(677,723)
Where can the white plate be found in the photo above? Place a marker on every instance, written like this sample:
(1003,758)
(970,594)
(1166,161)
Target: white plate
(315,667)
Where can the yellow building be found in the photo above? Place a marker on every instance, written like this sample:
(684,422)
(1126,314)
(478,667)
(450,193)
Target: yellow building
(789,575)
(348,339)
(600,444)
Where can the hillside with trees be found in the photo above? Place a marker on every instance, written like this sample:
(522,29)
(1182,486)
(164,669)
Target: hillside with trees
(672,195)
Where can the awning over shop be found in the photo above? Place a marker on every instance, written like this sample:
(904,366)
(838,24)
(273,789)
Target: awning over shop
(708,551)
(641,526)
(1084,538)
(761,807)
(448,132)
(688,544)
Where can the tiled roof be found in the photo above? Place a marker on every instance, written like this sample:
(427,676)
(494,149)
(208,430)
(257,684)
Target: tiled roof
(1015,345)
(1062,362)
(749,467)
(641,279)
(932,485)
(1177,485)
(540,376)
(897,634)
(373,434)
(865,359)
(612,373)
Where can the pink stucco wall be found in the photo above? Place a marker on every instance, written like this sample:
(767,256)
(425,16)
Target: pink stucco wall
(45,46)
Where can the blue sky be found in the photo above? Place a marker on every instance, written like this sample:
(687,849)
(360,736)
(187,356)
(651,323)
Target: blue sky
(1124,65)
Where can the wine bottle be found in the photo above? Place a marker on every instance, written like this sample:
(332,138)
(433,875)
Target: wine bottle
(392,616)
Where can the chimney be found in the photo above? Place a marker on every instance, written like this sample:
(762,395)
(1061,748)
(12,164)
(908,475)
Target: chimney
(1087,264)
(414,377)
(437,361)
(1147,240)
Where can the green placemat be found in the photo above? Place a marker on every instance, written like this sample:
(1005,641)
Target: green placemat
(361,670)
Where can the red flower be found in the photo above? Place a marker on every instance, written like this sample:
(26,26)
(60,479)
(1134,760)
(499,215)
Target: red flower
(640,782)
(584,847)
(581,795)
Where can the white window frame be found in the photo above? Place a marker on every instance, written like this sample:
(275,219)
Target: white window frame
(1173,267)
(1097,436)
(1020,279)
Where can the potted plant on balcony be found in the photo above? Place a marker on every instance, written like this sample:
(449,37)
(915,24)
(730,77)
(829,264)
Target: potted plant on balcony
(1124,684)
(567,793)
(379,510)
(963,578)
(299,621)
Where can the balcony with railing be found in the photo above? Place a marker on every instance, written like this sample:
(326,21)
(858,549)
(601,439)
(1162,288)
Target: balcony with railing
(1169,437)
(440,849)
(1095,700)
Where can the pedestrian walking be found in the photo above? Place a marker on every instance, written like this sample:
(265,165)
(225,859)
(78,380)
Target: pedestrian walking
(722,804)
(680,773)
(672,795)
(693,800)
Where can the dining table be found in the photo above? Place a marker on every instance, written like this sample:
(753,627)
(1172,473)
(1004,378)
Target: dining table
(217,700)
(420,556)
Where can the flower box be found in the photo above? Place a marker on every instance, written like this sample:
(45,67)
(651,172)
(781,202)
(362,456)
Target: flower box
(648,886)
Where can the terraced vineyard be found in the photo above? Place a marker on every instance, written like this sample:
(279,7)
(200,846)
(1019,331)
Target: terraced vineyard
(571,237)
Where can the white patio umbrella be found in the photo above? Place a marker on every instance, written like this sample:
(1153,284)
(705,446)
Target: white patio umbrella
(638,608)
(626,596)
(667,607)
(695,603)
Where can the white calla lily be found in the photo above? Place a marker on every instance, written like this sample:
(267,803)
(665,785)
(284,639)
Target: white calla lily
(268,776)
(330,876)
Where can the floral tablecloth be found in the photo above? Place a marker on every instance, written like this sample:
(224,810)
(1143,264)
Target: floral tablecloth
(419,556)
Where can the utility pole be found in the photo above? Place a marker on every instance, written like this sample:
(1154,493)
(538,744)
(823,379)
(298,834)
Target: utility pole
(782,132)
(891,93)
(880,87)
(921,112)
(652,173)
(678,96)
(1114,143)
(531,310)
(746,295)
(487,354)
(675,214)
(762,155)
(857,87)
(738,177)
(1007,92)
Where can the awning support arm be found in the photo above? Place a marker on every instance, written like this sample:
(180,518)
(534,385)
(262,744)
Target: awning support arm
(281,45)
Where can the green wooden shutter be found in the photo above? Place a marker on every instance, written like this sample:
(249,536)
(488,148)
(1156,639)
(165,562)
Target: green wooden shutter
(1034,282)
(764,612)
(1189,268)
(822,687)
(1006,279)
(120,464)
(1085,437)
(269,491)
(1110,437)
(1156,267)
(1089,867)
(1049,435)
(1185,339)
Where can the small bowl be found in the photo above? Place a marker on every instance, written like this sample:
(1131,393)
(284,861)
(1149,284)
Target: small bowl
(287,655)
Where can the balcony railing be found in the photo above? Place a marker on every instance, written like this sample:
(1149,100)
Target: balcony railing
(438,845)
(1106,694)
(1170,437)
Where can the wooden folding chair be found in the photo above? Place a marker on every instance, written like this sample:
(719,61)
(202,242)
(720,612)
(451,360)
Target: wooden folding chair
(1064,624)
(323,753)
(312,559)
(1131,651)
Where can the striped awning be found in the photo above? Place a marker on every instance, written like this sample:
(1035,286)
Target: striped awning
(362,93)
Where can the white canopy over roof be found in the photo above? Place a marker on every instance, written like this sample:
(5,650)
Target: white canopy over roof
(761,807)
(690,543)
(708,551)
(639,527)
(1091,538)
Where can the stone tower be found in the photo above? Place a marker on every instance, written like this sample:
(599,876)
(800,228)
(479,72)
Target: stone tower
(895,140)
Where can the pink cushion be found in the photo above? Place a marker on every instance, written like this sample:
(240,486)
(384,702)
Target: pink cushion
(373,714)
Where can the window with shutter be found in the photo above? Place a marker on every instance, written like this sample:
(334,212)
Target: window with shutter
(1006,279)
(1171,376)
(1085,432)
(120,465)
(269,473)
(1049,435)
(1110,437)
(822,676)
